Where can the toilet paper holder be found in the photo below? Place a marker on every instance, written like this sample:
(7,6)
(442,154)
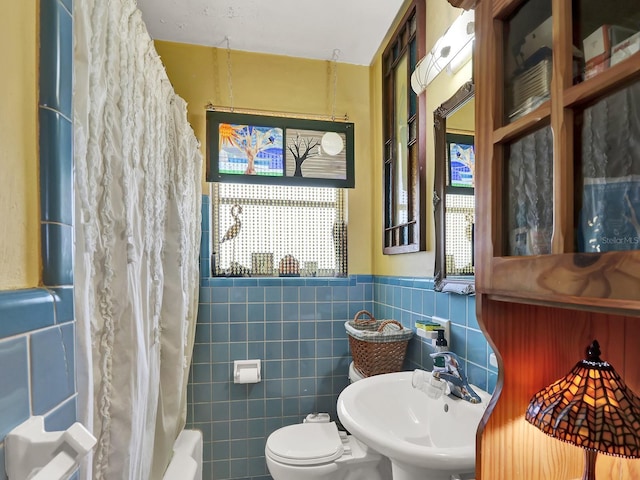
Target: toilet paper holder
(35,454)
(246,371)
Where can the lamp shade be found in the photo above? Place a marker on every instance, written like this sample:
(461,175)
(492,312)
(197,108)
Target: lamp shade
(591,407)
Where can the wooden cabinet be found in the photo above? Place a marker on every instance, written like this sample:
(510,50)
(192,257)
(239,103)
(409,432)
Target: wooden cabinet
(558,148)
(558,209)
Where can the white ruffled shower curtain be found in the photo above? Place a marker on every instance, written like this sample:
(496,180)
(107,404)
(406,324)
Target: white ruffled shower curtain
(137,234)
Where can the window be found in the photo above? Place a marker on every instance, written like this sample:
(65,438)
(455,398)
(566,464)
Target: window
(404,131)
(273,230)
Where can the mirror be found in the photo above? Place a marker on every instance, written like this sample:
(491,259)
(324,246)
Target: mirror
(453,196)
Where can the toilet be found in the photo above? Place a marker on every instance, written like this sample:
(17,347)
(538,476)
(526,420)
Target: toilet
(317,450)
(354,373)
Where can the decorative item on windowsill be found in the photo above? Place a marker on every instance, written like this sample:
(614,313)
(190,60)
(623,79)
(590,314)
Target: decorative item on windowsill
(377,346)
(310,269)
(289,267)
(592,408)
(237,270)
(231,235)
(233,231)
(262,263)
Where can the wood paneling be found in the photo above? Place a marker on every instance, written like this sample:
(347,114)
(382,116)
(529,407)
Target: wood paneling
(537,345)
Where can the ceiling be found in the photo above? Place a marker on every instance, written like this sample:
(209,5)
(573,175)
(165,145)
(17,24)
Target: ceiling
(354,29)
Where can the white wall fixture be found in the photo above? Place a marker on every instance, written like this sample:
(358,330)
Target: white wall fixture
(493,361)
(246,371)
(432,335)
(32,453)
(446,326)
(452,50)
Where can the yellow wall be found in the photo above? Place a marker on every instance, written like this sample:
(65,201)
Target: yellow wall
(283,84)
(199,74)
(19,210)
(440,14)
(463,120)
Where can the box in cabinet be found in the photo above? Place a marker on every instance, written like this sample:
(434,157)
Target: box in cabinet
(531,88)
(597,47)
(540,37)
(625,49)
(595,66)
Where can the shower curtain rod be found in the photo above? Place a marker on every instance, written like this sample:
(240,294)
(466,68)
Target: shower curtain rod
(317,116)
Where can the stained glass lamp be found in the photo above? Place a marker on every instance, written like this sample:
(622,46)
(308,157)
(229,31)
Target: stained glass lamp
(592,408)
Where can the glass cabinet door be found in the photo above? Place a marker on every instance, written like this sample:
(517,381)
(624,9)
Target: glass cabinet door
(528,158)
(529,194)
(527,58)
(607,129)
(604,34)
(559,148)
(609,136)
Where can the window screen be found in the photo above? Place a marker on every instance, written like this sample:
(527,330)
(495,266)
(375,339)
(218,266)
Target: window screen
(272,230)
(460,220)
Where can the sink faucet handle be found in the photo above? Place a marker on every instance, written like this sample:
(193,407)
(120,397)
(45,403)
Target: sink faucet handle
(448,362)
(448,367)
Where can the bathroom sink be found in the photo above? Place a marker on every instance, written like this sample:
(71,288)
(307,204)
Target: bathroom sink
(425,438)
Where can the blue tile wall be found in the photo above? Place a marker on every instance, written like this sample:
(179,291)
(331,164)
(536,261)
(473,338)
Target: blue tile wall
(297,330)
(413,299)
(56,167)
(56,56)
(296,327)
(37,366)
(23,311)
(52,367)
(57,254)
(14,384)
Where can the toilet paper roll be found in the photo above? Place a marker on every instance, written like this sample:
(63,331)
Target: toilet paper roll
(247,375)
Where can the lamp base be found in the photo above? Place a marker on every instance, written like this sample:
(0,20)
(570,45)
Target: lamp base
(589,472)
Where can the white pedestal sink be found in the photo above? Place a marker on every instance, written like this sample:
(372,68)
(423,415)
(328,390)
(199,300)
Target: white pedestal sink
(425,438)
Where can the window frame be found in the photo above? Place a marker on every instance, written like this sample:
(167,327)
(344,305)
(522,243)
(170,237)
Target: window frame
(465,93)
(409,236)
(289,128)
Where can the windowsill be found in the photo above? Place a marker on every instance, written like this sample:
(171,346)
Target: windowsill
(462,285)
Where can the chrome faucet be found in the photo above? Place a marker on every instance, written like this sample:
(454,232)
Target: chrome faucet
(447,367)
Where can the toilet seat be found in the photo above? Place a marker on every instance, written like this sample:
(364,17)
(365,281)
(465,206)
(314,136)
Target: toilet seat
(305,444)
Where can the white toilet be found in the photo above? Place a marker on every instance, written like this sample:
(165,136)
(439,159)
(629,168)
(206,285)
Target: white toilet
(354,373)
(316,450)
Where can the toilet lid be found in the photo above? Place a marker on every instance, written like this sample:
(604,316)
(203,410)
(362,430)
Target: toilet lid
(305,444)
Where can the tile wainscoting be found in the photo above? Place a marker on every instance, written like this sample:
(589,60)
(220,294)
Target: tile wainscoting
(296,327)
